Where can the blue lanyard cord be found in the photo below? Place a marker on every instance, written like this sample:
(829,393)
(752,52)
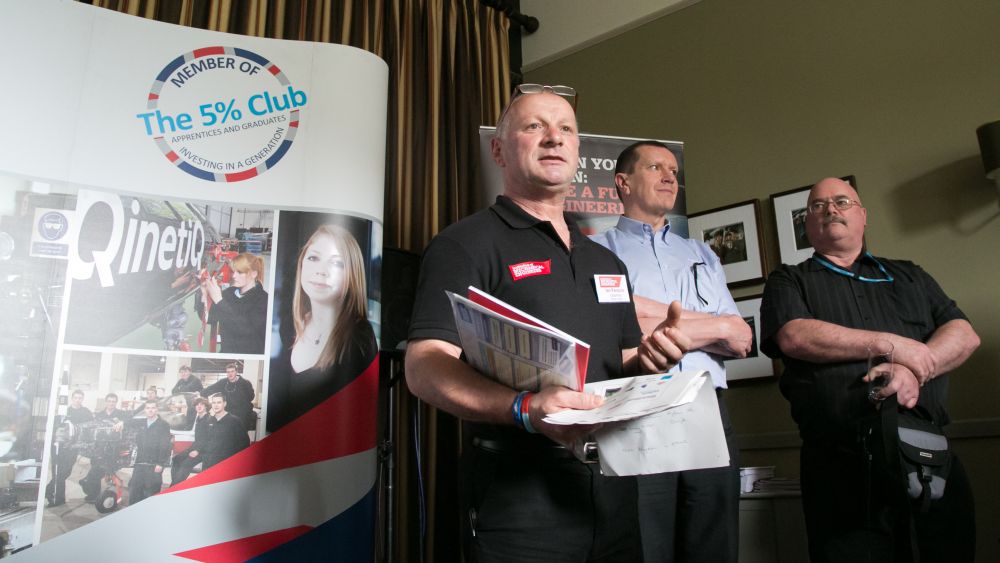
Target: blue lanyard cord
(826,264)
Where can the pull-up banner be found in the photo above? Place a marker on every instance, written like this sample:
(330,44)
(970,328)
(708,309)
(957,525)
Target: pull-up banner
(190,240)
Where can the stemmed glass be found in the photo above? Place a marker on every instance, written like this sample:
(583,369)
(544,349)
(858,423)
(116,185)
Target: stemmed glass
(879,368)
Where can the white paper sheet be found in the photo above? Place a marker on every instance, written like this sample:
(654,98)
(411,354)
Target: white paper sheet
(634,397)
(689,436)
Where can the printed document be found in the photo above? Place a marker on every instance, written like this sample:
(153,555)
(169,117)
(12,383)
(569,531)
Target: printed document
(654,424)
(514,348)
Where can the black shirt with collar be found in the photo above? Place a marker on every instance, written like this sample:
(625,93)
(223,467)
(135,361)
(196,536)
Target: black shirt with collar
(223,437)
(480,251)
(190,385)
(78,415)
(829,400)
(152,441)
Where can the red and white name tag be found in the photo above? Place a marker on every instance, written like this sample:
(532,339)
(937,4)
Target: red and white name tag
(611,288)
(529,269)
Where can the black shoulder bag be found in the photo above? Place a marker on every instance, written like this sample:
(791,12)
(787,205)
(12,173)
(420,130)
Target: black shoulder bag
(917,455)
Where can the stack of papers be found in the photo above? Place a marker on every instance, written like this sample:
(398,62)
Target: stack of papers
(654,424)
(633,397)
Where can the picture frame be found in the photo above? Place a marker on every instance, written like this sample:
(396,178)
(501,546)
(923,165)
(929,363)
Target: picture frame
(734,233)
(789,222)
(756,364)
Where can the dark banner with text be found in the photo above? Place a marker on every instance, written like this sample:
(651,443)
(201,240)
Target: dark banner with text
(593,200)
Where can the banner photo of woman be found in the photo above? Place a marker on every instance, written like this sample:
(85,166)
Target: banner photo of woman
(325,318)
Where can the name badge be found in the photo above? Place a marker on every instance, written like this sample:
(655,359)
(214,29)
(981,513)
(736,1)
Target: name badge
(611,288)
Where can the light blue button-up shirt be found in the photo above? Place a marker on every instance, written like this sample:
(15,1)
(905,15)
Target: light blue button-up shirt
(665,267)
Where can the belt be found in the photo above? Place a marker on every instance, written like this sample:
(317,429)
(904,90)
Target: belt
(506,447)
(543,451)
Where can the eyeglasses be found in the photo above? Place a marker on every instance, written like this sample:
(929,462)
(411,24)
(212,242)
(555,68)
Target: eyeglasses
(567,92)
(842,203)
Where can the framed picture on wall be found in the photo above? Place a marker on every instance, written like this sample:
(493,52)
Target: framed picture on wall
(790,222)
(734,234)
(756,364)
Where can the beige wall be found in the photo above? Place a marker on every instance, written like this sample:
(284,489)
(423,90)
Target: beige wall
(769,96)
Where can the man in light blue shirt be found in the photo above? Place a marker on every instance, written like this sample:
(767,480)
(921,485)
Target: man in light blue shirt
(690,515)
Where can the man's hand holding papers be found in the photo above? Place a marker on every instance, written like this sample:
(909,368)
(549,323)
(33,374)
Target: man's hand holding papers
(526,354)
(633,397)
(653,423)
(555,399)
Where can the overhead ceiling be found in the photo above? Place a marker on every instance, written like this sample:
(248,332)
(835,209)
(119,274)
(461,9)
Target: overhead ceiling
(566,26)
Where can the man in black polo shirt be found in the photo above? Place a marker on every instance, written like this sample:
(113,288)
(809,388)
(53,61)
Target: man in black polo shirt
(819,318)
(523,498)
(152,447)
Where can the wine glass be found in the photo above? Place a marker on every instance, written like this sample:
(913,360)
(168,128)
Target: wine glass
(879,368)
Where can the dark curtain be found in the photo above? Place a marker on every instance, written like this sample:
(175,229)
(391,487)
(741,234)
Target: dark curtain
(448,73)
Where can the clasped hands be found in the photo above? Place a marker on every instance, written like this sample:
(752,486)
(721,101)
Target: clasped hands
(913,366)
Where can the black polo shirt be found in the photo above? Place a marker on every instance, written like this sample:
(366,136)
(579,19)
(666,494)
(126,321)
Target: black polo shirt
(519,259)
(829,400)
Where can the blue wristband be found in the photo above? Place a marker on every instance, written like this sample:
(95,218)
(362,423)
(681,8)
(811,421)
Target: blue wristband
(526,413)
(515,409)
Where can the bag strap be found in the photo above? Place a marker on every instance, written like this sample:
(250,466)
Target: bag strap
(925,493)
(889,415)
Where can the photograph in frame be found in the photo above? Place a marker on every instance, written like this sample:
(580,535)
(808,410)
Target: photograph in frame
(756,364)
(733,232)
(790,222)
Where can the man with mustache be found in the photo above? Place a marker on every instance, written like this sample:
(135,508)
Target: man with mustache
(819,317)
(524,497)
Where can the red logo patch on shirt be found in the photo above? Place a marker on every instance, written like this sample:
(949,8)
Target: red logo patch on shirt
(528,269)
(610,281)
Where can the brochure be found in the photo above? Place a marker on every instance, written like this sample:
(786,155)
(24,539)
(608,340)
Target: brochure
(514,348)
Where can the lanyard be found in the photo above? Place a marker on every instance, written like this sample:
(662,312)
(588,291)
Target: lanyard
(826,264)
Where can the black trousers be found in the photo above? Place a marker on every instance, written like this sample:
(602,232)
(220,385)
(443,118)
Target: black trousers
(690,516)
(62,466)
(145,483)
(540,507)
(852,516)
(182,465)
